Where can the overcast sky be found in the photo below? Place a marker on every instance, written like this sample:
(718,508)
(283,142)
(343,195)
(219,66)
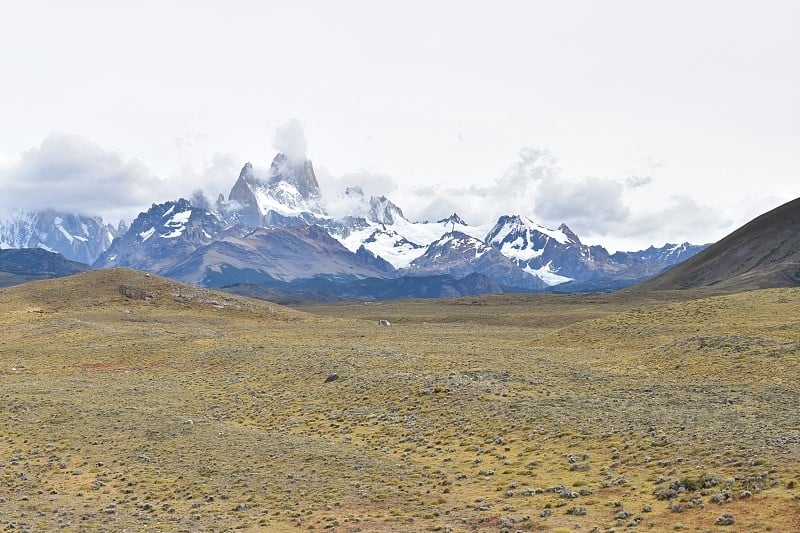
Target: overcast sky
(634,122)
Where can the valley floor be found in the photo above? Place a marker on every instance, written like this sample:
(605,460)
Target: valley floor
(147,405)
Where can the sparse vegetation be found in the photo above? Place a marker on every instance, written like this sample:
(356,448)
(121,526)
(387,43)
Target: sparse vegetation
(133,402)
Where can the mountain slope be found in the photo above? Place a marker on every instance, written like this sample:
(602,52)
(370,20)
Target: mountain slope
(458,254)
(763,253)
(30,264)
(279,253)
(325,290)
(166,233)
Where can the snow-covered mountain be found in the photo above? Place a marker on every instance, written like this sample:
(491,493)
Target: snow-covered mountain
(274,227)
(381,227)
(77,237)
(288,195)
(556,256)
(535,249)
(192,244)
(459,254)
(161,236)
(667,255)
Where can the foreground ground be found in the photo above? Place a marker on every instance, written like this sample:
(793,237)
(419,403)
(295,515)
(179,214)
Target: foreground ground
(130,402)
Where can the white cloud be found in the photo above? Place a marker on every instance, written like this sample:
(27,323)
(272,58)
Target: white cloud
(71,173)
(290,139)
(600,210)
(513,192)
(187,141)
(370,183)
(216,177)
(532,165)
(6,160)
(594,203)
(638,181)
(679,219)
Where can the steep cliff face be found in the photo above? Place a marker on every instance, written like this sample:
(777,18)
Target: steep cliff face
(288,195)
(245,205)
(299,174)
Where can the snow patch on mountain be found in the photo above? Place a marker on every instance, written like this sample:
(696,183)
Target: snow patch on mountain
(177,223)
(546,274)
(147,234)
(284,198)
(455,240)
(514,252)
(402,241)
(384,243)
(526,232)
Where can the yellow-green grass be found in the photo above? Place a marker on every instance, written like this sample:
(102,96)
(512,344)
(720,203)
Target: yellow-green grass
(133,402)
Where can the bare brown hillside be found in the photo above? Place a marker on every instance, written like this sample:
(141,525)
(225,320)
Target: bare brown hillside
(763,253)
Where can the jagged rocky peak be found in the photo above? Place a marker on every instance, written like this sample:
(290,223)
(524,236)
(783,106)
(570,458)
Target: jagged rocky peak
(173,219)
(384,211)
(523,231)
(354,192)
(286,194)
(297,173)
(453,219)
(242,192)
(458,240)
(563,228)
(247,174)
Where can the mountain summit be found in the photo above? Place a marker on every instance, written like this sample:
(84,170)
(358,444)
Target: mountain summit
(299,174)
(288,195)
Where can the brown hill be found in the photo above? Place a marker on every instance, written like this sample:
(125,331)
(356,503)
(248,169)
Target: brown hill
(764,253)
(114,290)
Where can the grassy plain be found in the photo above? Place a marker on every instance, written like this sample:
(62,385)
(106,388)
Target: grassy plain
(130,402)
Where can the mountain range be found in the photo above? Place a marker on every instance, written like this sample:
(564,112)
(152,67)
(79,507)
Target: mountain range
(273,230)
(77,237)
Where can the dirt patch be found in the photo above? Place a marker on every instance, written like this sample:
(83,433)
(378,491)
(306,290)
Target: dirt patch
(112,366)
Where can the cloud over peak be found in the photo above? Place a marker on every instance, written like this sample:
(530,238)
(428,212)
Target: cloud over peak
(290,139)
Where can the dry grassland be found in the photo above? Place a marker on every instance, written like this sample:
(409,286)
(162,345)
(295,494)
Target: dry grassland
(130,402)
